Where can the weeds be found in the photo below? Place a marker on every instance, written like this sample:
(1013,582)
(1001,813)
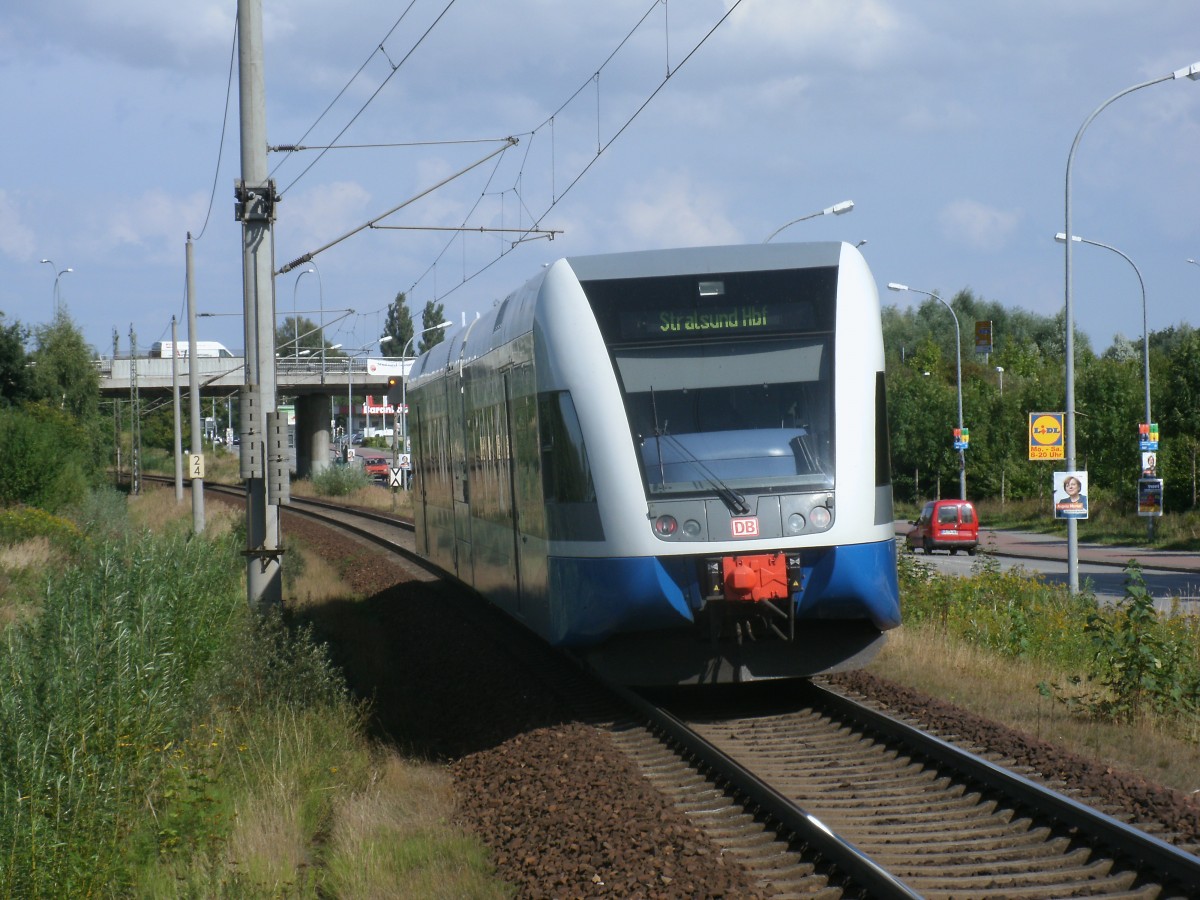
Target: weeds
(1141,661)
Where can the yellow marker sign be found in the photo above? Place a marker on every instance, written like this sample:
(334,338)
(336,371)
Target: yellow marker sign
(1046,436)
(195,465)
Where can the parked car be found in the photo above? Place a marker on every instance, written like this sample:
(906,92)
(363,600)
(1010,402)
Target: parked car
(377,467)
(945,525)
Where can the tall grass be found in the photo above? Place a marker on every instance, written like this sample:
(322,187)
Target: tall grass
(158,739)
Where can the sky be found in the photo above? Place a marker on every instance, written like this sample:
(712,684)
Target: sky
(948,124)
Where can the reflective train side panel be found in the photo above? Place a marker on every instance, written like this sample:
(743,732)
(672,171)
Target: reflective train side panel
(673,463)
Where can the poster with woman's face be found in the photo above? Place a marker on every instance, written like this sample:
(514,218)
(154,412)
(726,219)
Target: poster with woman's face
(1070,495)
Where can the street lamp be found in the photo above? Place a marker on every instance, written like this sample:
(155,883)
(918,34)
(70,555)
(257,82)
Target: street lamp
(962,459)
(295,316)
(404,390)
(837,209)
(1192,72)
(60,274)
(1061,238)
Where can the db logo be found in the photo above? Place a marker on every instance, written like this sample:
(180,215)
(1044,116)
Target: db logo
(745,527)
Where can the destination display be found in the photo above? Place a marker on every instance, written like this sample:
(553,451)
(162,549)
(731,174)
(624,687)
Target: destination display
(712,306)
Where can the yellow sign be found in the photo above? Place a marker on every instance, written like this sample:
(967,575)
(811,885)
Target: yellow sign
(1046,436)
(195,465)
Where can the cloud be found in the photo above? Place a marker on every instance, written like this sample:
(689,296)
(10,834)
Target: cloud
(974,224)
(16,238)
(672,211)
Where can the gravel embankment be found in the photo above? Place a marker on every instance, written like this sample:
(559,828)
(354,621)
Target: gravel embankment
(563,811)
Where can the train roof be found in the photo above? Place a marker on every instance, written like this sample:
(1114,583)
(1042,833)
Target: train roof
(514,315)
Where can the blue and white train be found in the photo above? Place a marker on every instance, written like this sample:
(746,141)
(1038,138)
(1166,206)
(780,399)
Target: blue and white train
(672,463)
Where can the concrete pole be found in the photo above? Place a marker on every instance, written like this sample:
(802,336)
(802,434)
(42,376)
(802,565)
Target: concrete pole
(194,388)
(175,404)
(256,210)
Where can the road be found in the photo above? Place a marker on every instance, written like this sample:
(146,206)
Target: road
(1171,576)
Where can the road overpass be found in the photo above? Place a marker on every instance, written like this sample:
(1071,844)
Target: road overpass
(221,376)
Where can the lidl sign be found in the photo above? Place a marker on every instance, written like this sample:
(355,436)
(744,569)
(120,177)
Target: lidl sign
(1046,436)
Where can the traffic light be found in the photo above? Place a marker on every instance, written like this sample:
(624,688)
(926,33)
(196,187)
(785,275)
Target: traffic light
(394,389)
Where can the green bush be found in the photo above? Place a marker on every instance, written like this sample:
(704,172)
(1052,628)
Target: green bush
(1141,660)
(20,523)
(340,480)
(49,459)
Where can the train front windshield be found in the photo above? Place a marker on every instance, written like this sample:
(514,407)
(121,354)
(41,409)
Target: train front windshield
(727,379)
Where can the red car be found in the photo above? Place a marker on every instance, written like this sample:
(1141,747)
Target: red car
(377,467)
(945,525)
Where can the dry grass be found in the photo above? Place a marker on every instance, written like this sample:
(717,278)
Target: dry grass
(968,677)
(371,497)
(156,509)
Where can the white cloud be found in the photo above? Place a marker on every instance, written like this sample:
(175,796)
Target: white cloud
(16,238)
(672,211)
(977,225)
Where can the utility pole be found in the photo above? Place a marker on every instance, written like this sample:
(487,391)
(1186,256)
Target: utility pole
(255,209)
(178,424)
(194,389)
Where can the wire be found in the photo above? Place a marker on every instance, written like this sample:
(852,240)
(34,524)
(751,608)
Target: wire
(375,93)
(224,125)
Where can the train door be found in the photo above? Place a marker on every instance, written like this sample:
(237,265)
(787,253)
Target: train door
(464,564)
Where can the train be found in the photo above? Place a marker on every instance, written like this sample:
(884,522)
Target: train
(672,464)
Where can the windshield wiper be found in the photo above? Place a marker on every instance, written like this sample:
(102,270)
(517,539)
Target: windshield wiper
(731,498)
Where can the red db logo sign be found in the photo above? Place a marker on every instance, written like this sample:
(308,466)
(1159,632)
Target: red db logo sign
(745,527)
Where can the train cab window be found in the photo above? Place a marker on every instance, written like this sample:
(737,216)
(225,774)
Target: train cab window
(753,414)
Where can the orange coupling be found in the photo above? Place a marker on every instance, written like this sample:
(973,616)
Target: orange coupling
(759,577)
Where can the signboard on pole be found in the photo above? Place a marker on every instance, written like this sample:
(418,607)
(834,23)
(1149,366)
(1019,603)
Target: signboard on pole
(1046,436)
(1070,495)
(1150,497)
(983,337)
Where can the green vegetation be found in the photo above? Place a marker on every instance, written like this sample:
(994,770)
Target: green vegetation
(340,480)
(1110,402)
(156,738)
(1128,661)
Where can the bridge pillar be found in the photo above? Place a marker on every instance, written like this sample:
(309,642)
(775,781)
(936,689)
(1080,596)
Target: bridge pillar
(313,412)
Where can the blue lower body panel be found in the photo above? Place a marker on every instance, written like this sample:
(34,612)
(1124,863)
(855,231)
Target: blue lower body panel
(595,599)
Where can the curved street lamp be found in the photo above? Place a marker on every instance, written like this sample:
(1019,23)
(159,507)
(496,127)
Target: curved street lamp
(1192,72)
(60,274)
(962,459)
(837,209)
(1061,238)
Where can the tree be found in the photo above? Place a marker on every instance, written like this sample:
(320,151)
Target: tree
(16,379)
(297,334)
(64,373)
(399,325)
(432,315)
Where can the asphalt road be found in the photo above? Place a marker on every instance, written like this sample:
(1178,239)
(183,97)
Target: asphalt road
(1172,577)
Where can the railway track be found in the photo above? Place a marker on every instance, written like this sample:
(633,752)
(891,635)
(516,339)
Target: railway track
(818,795)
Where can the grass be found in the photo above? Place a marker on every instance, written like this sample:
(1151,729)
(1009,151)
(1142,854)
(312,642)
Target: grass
(156,739)
(1119,684)
(926,658)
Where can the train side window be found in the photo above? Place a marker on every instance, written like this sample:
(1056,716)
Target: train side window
(572,512)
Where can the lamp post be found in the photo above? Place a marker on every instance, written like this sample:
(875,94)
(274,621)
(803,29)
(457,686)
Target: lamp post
(404,390)
(1061,238)
(1000,376)
(837,209)
(1192,72)
(295,315)
(59,273)
(962,459)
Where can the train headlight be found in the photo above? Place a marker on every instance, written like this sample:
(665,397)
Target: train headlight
(820,517)
(665,526)
(795,523)
(691,528)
